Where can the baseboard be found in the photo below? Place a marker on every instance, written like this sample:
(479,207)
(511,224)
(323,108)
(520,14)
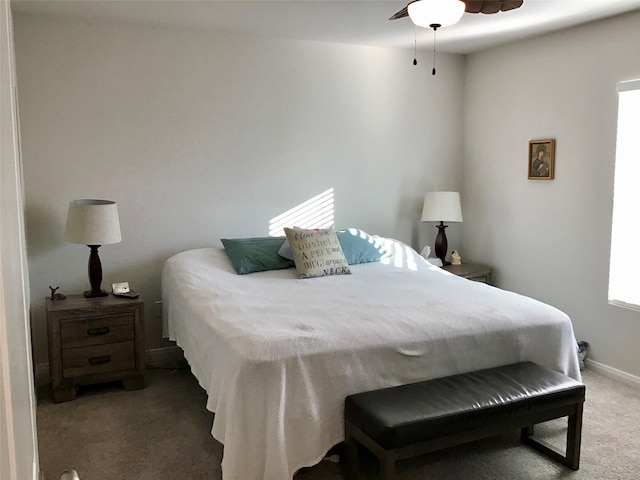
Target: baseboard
(165,357)
(613,373)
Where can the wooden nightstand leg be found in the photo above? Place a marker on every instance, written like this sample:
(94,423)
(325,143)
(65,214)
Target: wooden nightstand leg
(64,394)
(133,383)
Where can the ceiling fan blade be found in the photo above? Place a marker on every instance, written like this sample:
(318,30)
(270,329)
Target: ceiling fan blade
(401,14)
(511,5)
(491,6)
(480,6)
(475,6)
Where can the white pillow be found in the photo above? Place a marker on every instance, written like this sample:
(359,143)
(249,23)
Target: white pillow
(316,253)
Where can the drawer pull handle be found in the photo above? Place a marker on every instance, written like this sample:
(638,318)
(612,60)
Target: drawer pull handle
(98,331)
(100,360)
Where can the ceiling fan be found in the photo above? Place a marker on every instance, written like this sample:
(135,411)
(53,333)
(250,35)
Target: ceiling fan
(472,6)
(443,13)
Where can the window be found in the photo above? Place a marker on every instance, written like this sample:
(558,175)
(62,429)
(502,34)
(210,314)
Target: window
(624,287)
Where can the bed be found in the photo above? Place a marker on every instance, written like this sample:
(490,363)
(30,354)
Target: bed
(277,355)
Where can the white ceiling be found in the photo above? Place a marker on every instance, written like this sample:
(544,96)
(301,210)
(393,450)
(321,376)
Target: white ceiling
(360,22)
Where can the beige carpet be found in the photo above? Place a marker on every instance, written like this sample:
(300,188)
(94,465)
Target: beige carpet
(162,432)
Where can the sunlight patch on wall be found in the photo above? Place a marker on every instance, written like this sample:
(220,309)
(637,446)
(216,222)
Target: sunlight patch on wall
(317,212)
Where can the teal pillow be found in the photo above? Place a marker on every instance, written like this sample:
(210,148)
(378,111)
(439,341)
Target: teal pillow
(358,247)
(258,254)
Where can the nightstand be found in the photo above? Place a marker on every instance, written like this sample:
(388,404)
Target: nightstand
(477,273)
(95,340)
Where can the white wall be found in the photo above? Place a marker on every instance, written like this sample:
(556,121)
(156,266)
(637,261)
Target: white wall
(199,136)
(18,443)
(550,239)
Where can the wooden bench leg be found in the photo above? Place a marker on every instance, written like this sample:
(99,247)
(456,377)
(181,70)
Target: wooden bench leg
(574,438)
(571,458)
(351,452)
(526,432)
(388,466)
(353,438)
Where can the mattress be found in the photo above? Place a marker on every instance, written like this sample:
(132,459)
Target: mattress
(277,355)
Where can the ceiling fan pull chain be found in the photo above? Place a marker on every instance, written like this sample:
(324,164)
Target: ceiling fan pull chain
(415,46)
(435,27)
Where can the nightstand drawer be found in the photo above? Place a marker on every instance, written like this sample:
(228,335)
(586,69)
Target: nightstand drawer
(98,359)
(481,279)
(476,273)
(98,330)
(94,340)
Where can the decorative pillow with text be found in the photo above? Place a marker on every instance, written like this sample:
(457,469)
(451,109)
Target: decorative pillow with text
(357,245)
(316,253)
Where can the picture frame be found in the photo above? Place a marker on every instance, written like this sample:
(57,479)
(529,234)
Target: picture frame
(542,159)
(120,287)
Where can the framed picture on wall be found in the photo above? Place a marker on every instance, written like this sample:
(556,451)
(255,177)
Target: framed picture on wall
(542,159)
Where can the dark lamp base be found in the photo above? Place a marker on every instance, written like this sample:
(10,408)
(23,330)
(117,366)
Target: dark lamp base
(95,274)
(96,293)
(441,244)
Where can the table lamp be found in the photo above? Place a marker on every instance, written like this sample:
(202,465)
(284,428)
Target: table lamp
(441,207)
(93,223)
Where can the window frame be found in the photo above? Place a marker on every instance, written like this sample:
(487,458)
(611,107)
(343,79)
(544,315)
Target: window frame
(617,266)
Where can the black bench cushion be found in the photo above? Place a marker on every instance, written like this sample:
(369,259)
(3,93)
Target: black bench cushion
(407,414)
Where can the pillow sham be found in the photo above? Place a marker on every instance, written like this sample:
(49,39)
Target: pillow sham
(316,253)
(357,245)
(257,254)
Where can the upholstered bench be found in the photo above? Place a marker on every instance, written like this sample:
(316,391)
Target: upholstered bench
(409,420)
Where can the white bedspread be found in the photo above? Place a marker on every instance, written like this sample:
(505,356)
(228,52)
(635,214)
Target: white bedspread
(277,355)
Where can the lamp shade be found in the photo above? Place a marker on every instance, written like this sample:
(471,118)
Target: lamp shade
(425,13)
(93,222)
(442,207)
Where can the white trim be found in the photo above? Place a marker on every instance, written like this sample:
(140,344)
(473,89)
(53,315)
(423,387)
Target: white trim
(620,303)
(613,373)
(7,428)
(18,435)
(629,85)
(624,258)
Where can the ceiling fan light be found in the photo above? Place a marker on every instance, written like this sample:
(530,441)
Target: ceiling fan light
(425,13)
